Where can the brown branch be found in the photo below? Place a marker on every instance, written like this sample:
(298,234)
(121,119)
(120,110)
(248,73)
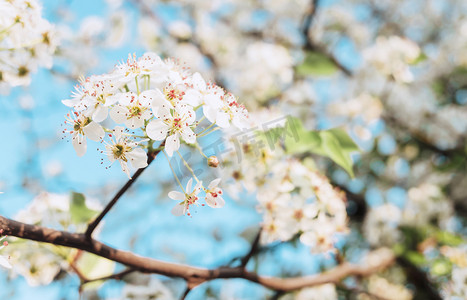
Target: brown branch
(185,293)
(193,275)
(92,226)
(253,249)
(312,45)
(117,276)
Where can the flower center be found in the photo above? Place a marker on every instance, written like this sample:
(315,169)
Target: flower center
(119,150)
(135,111)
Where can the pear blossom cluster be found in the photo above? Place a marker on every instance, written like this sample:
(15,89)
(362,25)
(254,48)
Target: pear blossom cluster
(294,199)
(190,197)
(392,56)
(150,101)
(27,41)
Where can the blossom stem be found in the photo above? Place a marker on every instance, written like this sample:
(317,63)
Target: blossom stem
(137,85)
(211,131)
(204,130)
(173,172)
(188,166)
(197,146)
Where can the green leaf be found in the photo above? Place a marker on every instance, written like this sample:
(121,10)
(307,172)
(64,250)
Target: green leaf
(79,212)
(449,239)
(304,140)
(317,63)
(336,152)
(333,143)
(422,57)
(416,258)
(345,140)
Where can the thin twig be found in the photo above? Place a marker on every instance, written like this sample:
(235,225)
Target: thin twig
(92,226)
(185,293)
(253,249)
(311,45)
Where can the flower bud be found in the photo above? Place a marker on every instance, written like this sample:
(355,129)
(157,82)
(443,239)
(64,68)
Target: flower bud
(213,161)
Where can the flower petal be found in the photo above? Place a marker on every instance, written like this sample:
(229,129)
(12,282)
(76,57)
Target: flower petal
(188,135)
(174,195)
(119,114)
(100,114)
(125,168)
(157,130)
(215,202)
(138,158)
(79,143)
(94,131)
(172,144)
(214,183)
(188,185)
(178,210)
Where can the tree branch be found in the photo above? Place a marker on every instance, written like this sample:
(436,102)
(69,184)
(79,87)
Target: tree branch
(312,45)
(116,276)
(253,249)
(193,275)
(92,226)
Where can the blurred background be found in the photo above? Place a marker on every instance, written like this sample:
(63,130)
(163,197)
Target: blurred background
(392,73)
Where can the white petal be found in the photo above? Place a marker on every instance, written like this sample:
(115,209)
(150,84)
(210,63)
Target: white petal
(174,195)
(126,98)
(4,262)
(214,183)
(111,100)
(188,135)
(138,158)
(213,101)
(178,210)
(148,97)
(198,82)
(134,122)
(222,119)
(70,102)
(125,168)
(198,187)
(192,97)
(157,130)
(172,143)
(118,132)
(79,143)
(162,112)
(209,113)
(118,113)
(94,131)
(157,98)
(188,185)
(100,114)
(215,202)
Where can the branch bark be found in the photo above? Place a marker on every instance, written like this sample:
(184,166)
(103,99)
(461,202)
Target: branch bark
(193,275)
